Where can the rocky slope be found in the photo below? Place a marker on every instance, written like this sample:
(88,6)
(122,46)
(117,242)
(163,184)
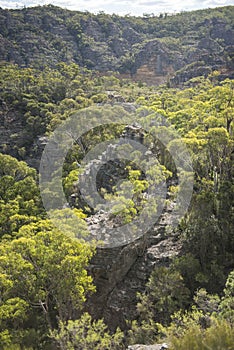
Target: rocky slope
(150,49)
(119,273)
(122,270)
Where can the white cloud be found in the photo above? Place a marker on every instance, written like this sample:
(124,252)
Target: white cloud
(135,7)
(218,3)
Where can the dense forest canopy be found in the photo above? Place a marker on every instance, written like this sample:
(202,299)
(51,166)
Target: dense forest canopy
(54,64)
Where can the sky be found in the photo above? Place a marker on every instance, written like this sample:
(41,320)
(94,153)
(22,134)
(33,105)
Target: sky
(122,7)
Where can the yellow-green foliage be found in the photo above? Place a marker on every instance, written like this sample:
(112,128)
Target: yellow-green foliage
(43,273)
(87,334)
(220,336)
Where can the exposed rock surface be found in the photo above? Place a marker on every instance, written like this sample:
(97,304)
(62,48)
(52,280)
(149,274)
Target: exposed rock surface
(148,347)
(122,270)
(148,49)
(119,273)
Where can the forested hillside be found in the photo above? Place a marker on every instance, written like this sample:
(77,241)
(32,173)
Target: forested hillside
(152,48)
(60,286)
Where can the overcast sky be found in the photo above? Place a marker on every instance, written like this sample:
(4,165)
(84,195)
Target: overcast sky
(134,7)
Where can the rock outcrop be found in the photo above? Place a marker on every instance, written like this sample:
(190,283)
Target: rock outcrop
(122,270)
(148,347)
(119,273)
(150,50)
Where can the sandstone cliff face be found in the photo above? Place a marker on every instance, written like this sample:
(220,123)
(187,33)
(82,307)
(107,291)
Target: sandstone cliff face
(150,50)
(154,64)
